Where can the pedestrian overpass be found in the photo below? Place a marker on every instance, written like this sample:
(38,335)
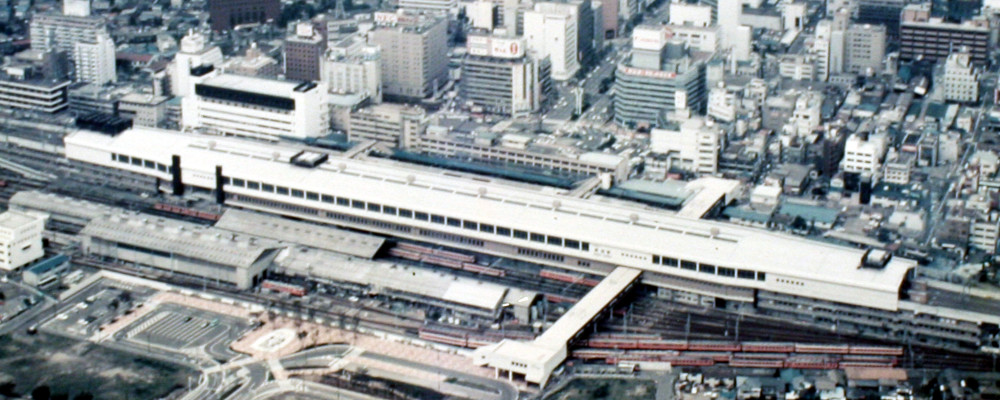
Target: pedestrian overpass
(535,360)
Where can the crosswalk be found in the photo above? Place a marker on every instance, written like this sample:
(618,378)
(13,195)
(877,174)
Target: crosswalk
(146,324)
(128,287)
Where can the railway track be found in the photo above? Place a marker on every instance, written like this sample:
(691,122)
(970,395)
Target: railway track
(672,321)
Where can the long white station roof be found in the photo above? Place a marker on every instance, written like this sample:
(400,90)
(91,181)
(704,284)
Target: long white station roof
(622,233)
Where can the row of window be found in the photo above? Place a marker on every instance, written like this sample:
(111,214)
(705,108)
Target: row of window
(709,268)
(407,213)
(138,162)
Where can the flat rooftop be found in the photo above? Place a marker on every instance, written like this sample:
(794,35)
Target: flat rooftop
(631,227)
(252,84)
(382,276)
(179,237)
(15,219)
(60,205)
(303,233)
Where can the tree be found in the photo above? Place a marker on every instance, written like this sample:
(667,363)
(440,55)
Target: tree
(7,389)
(799,224)
(41,393)
(601,392)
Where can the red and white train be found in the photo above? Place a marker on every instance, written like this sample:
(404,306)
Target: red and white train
(568,277)
(283,287)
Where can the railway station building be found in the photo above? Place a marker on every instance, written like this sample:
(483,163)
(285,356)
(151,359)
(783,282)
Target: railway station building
(180,247)
(729,267)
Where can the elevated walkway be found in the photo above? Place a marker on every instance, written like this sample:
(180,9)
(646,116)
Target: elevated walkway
(536,360)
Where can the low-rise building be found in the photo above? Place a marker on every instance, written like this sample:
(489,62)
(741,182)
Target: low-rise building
(392,124)
(798,67)
(693,145)
(21,89)
(863,154)
(143,109)
(181,248)
(20,239)
(488,147)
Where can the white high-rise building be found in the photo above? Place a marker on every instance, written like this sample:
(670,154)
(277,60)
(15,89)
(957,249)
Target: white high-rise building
(793,17)
(56,32)
(94,61)
(821,49)
(728,20)
(693,146)
(350,69)
(445,6)
(482,14)
(690,14)
(20,239)
(551,32)
(807,114)
(254,107)
(76,8)
(722,103)
(864,49)
(194,52)
(863,155)
(961,80)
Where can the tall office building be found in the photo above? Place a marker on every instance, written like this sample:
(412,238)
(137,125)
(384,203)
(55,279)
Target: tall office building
(577,12)
(303,53)
(830,43)
(351,67)
(609,18)
(660,77)
(60,32)
(194,51)
(551,31)
(728,19)
(63,33)
(865,48)
(228,14)
(880,12)
(499,77)
(94,60)
(414,53)
(482,14)
(961,78)
(933,39)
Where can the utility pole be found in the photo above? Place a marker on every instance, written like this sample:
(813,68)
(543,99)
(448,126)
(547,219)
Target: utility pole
(687,327)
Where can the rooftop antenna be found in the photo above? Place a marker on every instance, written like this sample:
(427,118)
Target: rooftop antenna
(338,11)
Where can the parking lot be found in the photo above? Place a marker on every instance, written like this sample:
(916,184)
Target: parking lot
(14,300)
(175,327)
(104,302)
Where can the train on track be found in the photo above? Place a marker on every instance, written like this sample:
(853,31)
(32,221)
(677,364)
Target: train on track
(185,211)
(283,287)
(443,258)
